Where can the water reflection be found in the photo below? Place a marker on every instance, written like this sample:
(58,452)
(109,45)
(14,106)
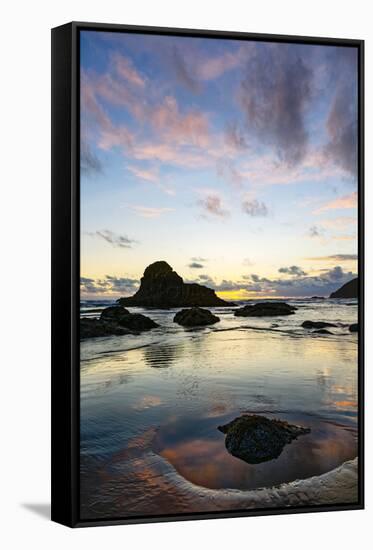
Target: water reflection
(197,451)
(160,356)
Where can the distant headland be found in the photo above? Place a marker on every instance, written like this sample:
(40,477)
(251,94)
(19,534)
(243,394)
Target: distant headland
(348,290)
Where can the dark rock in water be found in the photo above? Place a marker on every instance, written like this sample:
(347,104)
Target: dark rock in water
(256,439)
(317,298)
(354,327)
(265,309)
(195,317)
(137,322)
(348,290)
(113,313)
(317,324)
(322,331)
(94,328)
(115,321)
(161,287)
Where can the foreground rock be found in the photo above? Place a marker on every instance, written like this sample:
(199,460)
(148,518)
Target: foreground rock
(349,290)
(317,324)
(322,331)
(256,439)
(265,309)
(115,320)
(163,288)
(195,317)
(137,322)
(354,327)
(95,328)
(113,313)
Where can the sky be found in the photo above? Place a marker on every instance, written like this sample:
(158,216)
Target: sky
(234,161)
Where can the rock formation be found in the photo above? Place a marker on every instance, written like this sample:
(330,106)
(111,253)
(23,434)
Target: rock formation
(265,309)
(354,327)
(115,320)
(256,439)
(195,317)
(348,290)
(161,287)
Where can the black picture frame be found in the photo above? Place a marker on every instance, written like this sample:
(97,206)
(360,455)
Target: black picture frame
(66,270)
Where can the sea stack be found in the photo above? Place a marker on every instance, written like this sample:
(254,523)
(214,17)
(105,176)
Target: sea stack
(348,290)
(161,287)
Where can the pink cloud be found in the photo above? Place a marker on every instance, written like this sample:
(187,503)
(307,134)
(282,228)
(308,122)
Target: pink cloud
(340,222)
(149,212)
(125,69)
(348,201)
(212,204)
(186,129)
(149,175)
(213,67)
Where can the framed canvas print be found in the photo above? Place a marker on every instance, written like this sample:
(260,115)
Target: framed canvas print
(207,277)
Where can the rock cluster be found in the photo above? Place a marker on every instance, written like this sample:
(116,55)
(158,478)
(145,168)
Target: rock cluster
(115,320)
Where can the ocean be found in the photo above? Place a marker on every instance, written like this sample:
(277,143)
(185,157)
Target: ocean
(151,405)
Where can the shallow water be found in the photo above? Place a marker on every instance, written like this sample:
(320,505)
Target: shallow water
(151,405)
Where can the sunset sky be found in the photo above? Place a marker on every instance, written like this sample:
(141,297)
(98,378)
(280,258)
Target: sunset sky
(233,161)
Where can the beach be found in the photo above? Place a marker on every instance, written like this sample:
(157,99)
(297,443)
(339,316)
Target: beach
(151,404)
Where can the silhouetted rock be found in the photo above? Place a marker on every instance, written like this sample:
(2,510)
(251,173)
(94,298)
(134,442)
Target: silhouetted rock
(354,327)
(256,439)
(317,324)
(161,287)
(115,321)
(137,322)
(113,313)
(322,331)
(94,328)
(317,298)
(348,290)
(195,317)
(265,309)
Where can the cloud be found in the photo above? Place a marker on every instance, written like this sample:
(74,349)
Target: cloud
(149,211)
(193,66)
(89,162)
(247,262)
(342,128)
(294,270)
(212,67)
(315,231)
(148,175)
(191,128)
(234,137)
(198,259)
(226,170)
(276,90)
(345,202)
(183,74)
(125,69)
(335,258)
(196,265)
(300,284)
(108,286)
(118,241)
(212,205)
(254,208)
(306,285)
(340,222)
